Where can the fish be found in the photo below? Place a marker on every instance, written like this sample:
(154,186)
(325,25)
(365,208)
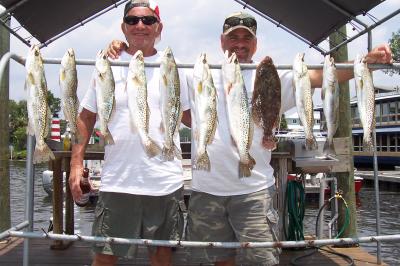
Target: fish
(303,96)
(105,94)
(330,102)
(205,98)
(171,110)
(365,100)
(39,114)
(68,82)
(266,101)
(238,111)
(139,110)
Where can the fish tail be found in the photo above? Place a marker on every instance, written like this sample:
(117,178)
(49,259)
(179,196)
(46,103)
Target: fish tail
(311,144)
(108,138)
(367,143)
(245,168)
(167,153)
(42,153)
(202,161)
(151,148)
(329,148)
(269,142)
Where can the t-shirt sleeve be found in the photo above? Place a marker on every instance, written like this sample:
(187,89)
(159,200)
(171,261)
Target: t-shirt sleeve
(89,100)
(287,91)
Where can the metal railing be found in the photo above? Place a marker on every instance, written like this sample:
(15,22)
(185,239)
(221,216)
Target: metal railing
(14,231)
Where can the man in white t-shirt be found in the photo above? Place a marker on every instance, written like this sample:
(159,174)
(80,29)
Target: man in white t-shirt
(140,197)
(226,208)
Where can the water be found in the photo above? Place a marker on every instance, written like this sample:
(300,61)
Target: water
(390,212)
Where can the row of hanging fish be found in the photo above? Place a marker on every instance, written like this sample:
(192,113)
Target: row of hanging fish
(263,109)
(330,100)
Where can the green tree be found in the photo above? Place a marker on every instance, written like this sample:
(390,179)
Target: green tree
(18,123)
(185,134)
(394,43)
(283,125)
(53,102)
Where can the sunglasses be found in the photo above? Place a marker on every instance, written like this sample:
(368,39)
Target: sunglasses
(146,20)
(234,21)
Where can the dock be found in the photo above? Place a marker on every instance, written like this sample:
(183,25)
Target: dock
(79,253)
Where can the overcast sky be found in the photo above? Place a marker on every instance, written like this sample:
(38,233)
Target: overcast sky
(191,27)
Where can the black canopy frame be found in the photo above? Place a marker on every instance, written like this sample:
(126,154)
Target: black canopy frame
(310,21)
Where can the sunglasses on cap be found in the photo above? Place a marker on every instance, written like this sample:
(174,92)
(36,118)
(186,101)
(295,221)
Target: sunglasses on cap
(234,21)
(146,20)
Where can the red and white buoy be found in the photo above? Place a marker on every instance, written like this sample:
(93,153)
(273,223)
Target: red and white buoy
(55,128)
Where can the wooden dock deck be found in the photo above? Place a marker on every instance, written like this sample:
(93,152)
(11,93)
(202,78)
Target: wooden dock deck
(80,254)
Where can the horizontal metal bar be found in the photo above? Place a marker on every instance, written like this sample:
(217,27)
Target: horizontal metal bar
(18,227)
(216,66)
(170,243)
(89,62)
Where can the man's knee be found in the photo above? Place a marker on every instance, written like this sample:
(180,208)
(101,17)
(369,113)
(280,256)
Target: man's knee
(103,260)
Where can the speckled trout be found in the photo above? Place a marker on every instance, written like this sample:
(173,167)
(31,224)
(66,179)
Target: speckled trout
(205,98)
(239,114)
(266,101)
(105,96)
(365,100)
(171,110)
(68,81)
(304,103)
(39,114)
(330,102)
(137,103)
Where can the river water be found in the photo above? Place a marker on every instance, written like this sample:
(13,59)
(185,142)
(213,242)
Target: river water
(389,200)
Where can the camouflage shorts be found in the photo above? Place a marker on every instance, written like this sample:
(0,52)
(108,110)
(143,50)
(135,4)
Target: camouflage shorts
(136,216)
(241,218)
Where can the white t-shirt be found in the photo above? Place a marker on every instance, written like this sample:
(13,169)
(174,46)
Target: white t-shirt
(127,168)
(223,180)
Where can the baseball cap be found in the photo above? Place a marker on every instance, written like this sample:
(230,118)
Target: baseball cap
(239,20)
(145,3)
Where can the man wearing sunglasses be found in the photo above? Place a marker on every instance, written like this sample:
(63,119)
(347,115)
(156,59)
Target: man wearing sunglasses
(140,197)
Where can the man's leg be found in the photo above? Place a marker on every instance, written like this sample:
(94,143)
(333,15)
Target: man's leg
(254,220)
(161,257)
(207,221)
(104,260)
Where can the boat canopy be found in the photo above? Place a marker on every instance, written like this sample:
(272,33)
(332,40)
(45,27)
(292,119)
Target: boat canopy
(46,20)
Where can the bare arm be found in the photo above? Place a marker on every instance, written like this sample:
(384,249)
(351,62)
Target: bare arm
(85,124)
(115,48)
(381,54)
(187,118)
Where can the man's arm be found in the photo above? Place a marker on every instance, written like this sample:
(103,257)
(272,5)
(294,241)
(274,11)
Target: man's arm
(115,48)
(85,124)
(381,54)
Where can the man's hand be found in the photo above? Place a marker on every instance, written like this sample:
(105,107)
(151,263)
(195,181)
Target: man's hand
(74,181)
(115,49)
(381,54)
